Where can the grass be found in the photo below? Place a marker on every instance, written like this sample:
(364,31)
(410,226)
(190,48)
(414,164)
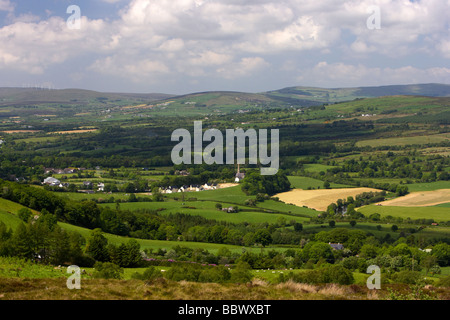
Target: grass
(428,186)
(158,244)
(306,182)
(11,267)
(207,210)
(402,141)
(434,212)
(444,205)
(316,167)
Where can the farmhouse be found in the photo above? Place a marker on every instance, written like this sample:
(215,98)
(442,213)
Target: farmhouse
(51,181)
(229,209)
(239,175)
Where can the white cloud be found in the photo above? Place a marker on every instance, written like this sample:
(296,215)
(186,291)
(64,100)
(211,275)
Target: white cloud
(6,5)
(349,75)
(233,39)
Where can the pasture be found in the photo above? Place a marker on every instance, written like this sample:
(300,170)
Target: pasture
(435,212)
(207,210)
(307,182)
(403,141)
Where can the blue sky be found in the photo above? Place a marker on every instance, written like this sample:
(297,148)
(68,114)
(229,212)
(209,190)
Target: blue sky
(182,46)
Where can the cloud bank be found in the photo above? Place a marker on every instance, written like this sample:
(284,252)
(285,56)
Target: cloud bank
(177,45)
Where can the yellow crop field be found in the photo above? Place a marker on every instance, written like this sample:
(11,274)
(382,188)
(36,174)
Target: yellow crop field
(320,199)
(420,199)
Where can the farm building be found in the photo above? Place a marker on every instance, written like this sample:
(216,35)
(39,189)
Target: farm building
(51,181)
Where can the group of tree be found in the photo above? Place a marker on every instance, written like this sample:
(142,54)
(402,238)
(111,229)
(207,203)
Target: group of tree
(254,183)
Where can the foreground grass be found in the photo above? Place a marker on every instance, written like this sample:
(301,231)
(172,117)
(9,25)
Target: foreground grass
(100,289)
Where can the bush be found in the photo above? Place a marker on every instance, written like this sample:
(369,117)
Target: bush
(337,274)
(151,273)
(332,274)
(24,214)
(184,272)
(107,270)
(406,276)
(444,282)
(215,274)
(241,273)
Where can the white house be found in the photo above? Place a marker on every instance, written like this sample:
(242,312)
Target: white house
(51,181)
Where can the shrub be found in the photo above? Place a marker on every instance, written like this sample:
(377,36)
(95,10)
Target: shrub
(332,274)
(337,274)
(185,272)
(151,273)
(24,214)
(406,276)
(215,274)
(444,282)
(241,273)
(107,270)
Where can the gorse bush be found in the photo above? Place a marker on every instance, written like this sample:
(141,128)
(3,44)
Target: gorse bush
(107,270)
(150,273)
(332,274)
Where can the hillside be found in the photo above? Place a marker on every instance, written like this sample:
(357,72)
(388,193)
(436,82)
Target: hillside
(322,95)
(26,96)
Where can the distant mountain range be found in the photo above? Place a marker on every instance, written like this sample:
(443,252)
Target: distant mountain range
(299,96)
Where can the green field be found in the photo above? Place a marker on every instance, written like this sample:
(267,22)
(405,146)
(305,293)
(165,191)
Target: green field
(444,205)
(402,141)
(428,186)
(207,210)
(11,220)
(434,212)
(306,182)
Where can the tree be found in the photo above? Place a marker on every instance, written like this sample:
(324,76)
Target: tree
(353,223)
(317,250)
(394,228)
(263,237)
(428,262)
(22,242)
(132,198)
(442,253)
(332,223)
(97,246)
(298,227)
(24,214)
(368,251)
(326,185)
(219,206)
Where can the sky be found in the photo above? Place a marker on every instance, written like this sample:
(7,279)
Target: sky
(185,46)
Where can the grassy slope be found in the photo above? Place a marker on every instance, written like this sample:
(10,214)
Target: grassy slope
(434,212)
(11,220)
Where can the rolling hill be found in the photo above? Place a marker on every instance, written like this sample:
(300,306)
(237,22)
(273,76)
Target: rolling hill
(321,95)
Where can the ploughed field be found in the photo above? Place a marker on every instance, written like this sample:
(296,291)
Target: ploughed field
(420,199)
(320,199)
